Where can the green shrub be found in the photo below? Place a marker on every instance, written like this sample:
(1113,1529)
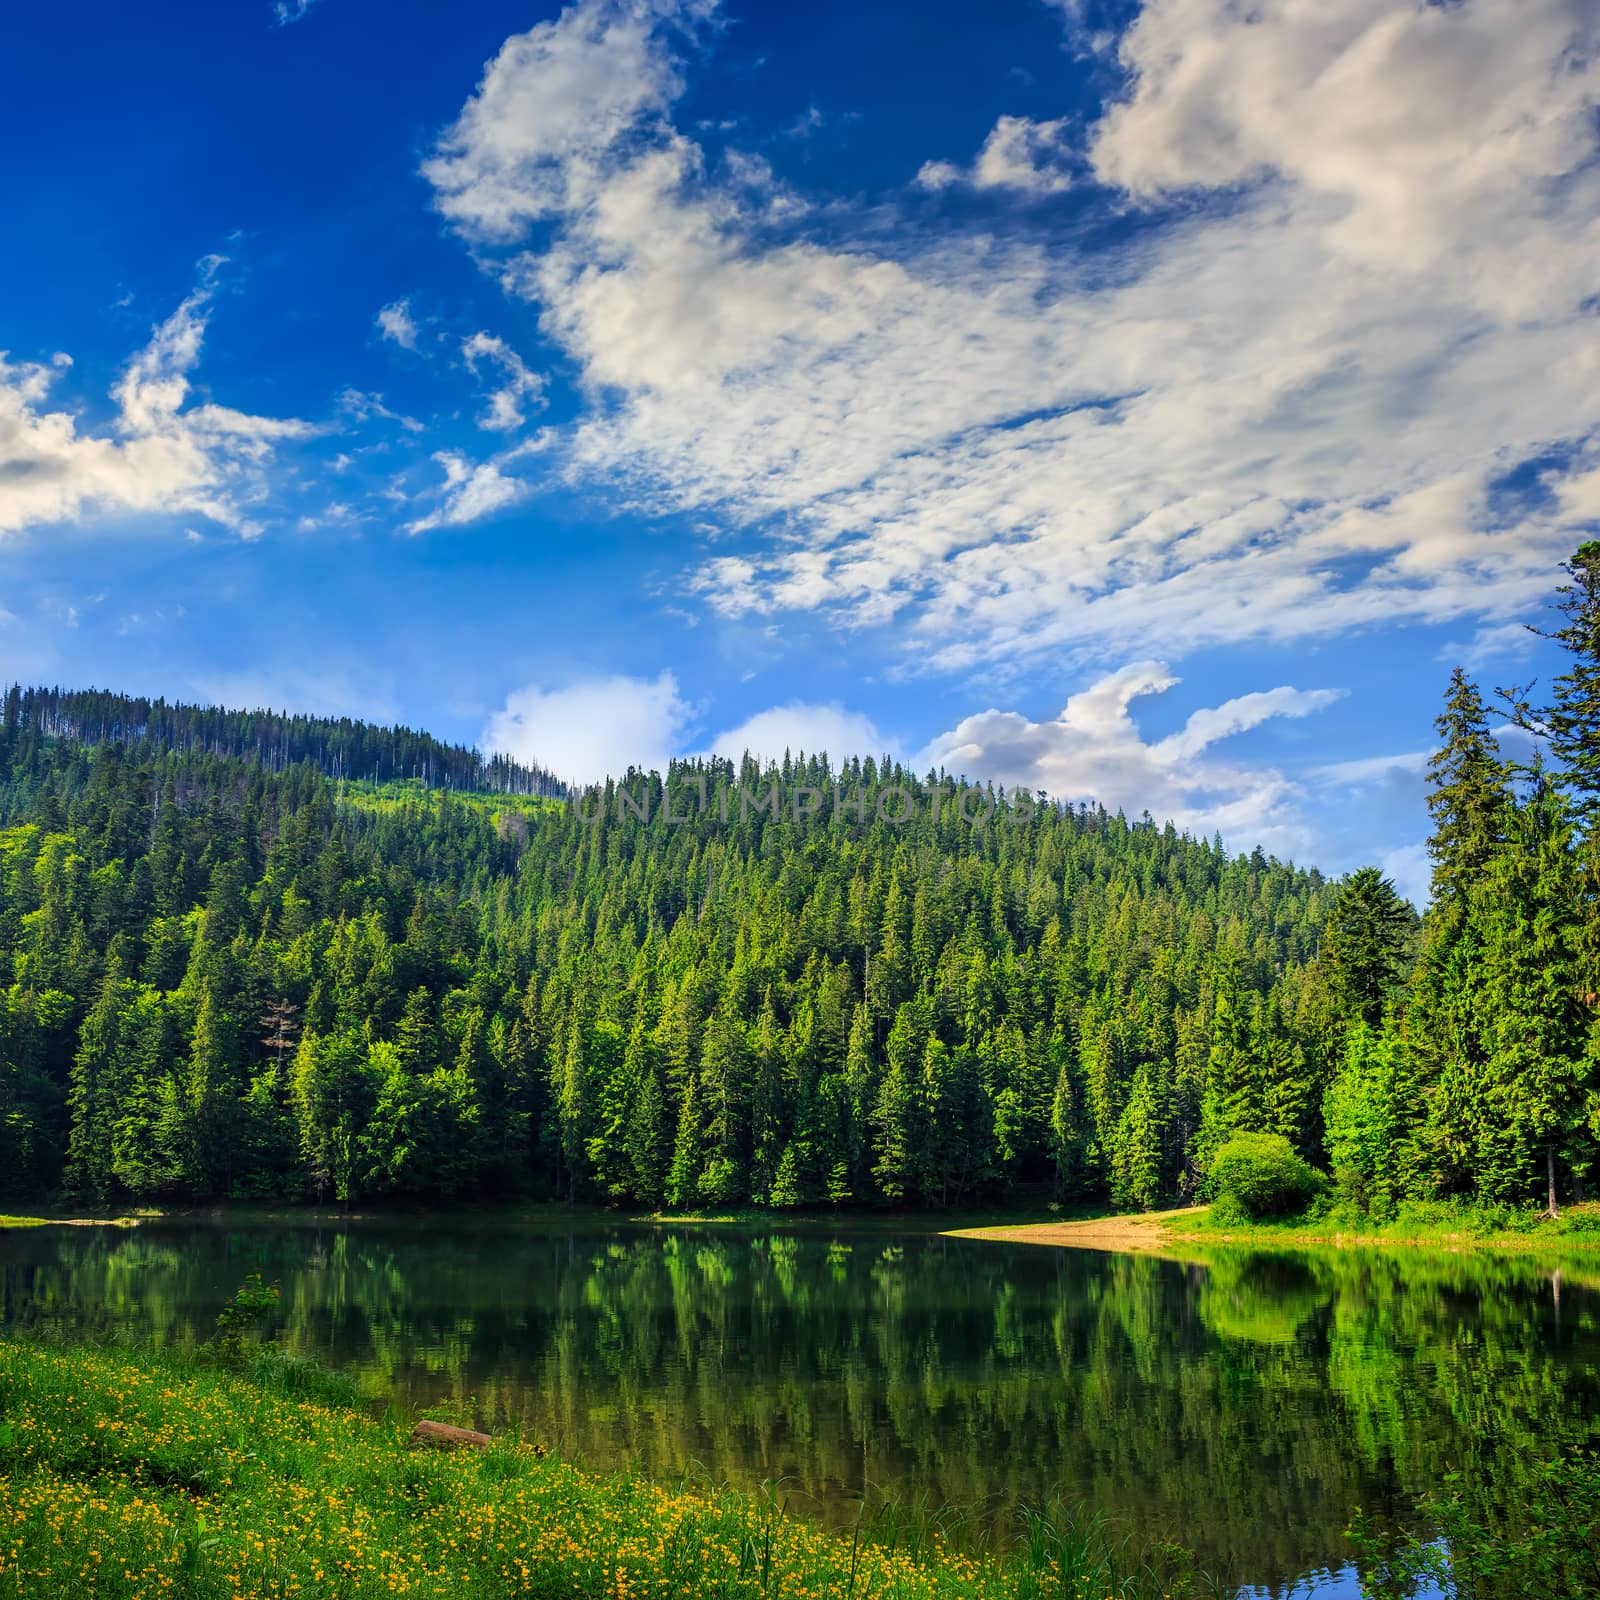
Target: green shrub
(1262,1175)
(1579,1219)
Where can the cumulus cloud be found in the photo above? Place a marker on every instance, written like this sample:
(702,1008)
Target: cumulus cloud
(1580,497)
(519,387)
(1019,154)
(1409,130)
(592,728)
(1094,751)
(551,107)
(396,323)
(158,453)
(1278,410)
(797,727)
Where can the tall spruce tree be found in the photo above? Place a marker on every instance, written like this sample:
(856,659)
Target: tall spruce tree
(1467,793)
(1533,1020)
(1368,943)
(1572,721)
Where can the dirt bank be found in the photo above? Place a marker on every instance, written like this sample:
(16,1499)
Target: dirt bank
(1147,1230)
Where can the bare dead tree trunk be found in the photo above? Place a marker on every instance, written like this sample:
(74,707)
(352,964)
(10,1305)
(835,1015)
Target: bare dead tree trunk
(1550,1169)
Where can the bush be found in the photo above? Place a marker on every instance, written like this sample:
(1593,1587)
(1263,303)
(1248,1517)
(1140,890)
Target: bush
(1262,1175)
(1579,1219)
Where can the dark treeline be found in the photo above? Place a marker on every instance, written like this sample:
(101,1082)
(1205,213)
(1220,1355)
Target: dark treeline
(340,747)
(222,978)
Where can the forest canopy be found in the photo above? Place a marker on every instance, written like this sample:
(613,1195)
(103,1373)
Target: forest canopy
(282,959)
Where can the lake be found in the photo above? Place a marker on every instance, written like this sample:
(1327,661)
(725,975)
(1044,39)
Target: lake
(1242,1405)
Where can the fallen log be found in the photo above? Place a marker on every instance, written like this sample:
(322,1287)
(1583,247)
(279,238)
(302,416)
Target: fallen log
(441,1436)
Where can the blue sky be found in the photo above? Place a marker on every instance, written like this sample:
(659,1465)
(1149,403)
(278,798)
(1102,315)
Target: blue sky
(1145,402)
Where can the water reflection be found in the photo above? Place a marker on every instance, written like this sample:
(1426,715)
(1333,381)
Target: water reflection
(1242,1404)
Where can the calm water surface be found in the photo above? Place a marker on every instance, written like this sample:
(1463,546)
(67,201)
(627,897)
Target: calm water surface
(1242,1406)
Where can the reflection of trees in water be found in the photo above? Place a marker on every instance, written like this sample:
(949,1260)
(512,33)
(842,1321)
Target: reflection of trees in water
(1243,1405)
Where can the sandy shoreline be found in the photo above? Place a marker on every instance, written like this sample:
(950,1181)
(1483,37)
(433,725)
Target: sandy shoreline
(1146,1232)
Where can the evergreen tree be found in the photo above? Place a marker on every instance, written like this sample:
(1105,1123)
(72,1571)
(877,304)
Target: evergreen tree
(1467,794)
(1571,723)
(1368,943)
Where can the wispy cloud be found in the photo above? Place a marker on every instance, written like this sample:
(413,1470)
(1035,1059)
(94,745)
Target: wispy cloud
(396,324)
(471,492)
(158,454)
(286,11)
(1358,295)
(519,388)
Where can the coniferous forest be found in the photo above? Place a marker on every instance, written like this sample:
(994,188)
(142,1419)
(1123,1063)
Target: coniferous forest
(272,959)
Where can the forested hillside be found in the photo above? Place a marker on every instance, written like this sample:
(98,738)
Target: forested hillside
(340,747)
(227,976)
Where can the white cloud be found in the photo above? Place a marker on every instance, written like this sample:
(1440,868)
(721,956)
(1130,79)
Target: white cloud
(801,727)
(1019,154)
(158,453)
(471,491)
(551,105)
(1436,137)
(1580,496)
(360,406)
(519,389)
(1278,411)
(1411,870)
(396,323)
(1095,751)
(1371,769)
(1501,641)
(592,728)
(286,11)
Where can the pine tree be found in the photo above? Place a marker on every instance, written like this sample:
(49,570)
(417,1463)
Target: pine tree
(1467,794)
(683,1179)
(1572,721)
(95,1092)
(1368,942)
(647,1139)
(1534,1023)
(1136,1178)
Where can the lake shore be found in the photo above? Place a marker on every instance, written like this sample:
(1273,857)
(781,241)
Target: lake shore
(1178,1231)
(67,1222)
(1139,1231)
(156,1472)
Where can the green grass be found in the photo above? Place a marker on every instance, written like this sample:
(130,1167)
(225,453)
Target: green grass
(133,1474)
(22,1222)
(1442,1224)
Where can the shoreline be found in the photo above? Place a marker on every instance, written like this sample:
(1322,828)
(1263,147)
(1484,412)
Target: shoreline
(7,1222)
(257,1475)
(1175,1233)
(1139,1232)
(1154,1233)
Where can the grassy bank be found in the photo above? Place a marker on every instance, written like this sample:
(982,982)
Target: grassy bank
(1436,1225)
(127,1474)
